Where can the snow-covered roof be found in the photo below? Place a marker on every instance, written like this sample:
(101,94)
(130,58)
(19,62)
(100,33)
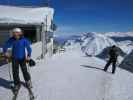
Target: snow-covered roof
(23,15)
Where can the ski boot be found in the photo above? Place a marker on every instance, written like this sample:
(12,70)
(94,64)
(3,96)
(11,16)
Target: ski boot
(29,84)
(16,88)
(29,87)
(15,91)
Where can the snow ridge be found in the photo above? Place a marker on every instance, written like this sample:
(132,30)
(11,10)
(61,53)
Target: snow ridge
(94,44)
(91,43)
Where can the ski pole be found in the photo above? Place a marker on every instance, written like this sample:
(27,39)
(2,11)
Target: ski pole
(10,73)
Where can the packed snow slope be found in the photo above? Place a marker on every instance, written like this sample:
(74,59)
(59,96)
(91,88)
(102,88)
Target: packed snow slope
(72,76)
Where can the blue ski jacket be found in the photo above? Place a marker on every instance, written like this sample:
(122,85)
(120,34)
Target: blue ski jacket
(18,47)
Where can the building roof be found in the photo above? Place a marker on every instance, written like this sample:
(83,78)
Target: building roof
(23,15)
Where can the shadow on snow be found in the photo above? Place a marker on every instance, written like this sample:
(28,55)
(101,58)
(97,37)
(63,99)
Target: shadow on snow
(90,67)
(5,83)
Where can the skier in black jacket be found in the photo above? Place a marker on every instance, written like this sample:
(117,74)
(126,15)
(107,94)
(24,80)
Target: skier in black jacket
(113,56)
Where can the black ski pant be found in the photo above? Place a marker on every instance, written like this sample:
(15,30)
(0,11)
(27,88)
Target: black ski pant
(15,70)
(113,62)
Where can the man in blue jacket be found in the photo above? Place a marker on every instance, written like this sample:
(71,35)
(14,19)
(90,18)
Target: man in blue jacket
(19,44)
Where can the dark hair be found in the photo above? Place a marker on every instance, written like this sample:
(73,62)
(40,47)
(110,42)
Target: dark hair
(113,46)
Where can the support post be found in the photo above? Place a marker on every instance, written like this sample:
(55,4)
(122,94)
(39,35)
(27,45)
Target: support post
(43,36)
(38,35)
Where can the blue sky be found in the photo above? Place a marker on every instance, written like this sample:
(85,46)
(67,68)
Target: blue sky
(74,16)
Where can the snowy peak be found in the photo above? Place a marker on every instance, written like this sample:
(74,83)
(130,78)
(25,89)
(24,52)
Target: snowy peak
(91,43)
(95,43)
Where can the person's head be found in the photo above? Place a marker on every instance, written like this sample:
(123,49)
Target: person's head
(17,33)
(113,46)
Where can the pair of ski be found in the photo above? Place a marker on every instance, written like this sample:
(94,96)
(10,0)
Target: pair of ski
(15,94)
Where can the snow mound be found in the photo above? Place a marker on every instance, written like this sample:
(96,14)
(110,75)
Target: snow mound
(95,43)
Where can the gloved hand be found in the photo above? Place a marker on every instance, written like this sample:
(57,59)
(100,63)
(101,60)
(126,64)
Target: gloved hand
(28,58)
(32,63)
(7,55)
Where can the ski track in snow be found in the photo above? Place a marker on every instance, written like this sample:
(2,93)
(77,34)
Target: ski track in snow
(71,76)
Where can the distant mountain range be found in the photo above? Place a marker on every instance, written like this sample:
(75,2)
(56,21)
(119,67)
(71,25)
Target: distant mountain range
(93,43)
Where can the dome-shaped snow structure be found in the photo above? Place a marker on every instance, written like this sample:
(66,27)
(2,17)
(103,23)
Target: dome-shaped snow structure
(95,43)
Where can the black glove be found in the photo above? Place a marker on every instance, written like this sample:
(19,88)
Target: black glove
(32,63)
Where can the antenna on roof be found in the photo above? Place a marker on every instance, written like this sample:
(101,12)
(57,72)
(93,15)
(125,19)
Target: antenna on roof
(47,3)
